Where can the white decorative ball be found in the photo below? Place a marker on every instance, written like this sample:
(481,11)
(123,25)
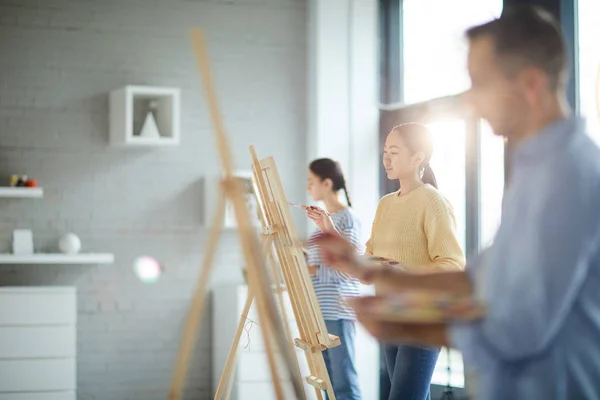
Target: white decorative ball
(69,244)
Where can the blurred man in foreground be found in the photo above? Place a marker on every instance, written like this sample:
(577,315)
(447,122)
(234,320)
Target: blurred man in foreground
(540,279)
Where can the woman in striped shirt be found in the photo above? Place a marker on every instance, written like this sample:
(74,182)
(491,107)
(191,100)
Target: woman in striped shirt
(325,180)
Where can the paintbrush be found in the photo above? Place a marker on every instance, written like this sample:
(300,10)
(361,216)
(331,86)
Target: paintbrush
(302,206)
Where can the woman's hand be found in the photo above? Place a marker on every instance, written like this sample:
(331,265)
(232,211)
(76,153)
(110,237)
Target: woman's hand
(338,253)
(321,218)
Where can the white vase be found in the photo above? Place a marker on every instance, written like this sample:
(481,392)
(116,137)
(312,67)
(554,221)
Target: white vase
(69,244)
(150,129)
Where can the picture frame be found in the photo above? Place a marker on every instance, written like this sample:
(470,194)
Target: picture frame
(247,178)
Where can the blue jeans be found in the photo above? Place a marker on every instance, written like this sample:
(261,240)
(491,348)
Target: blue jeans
(385,384)
(410,369)
(339,361)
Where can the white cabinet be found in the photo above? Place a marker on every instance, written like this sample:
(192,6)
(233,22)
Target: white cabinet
(38,343)
(253,378)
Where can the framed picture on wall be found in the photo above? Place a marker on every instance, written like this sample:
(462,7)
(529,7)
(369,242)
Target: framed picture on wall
(250,199)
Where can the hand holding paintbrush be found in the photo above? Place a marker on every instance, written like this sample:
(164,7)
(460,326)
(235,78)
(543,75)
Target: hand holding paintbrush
(319,216)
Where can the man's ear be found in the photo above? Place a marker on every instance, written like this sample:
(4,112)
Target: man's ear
(534,82)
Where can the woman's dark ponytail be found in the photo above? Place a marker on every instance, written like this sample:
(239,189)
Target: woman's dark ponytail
(347,195)
(326,168)
(428,176)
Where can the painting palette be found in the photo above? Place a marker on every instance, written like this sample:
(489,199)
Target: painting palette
(386,262)
(419,307)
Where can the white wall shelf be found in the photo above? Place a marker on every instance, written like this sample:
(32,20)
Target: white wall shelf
(57,258)
(129,108)
(21,192)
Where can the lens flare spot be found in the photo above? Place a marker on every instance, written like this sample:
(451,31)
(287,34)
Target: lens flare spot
(147,269)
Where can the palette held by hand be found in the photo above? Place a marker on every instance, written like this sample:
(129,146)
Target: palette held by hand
(419,307)
(384,262)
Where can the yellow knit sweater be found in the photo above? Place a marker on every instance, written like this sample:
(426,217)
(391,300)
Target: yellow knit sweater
(418,230)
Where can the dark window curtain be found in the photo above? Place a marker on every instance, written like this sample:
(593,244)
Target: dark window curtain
(390,68)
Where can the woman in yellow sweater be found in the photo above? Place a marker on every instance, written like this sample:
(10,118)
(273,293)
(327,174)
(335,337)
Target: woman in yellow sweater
(416,227)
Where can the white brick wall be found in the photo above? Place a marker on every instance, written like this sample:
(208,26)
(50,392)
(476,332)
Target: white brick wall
(58,60)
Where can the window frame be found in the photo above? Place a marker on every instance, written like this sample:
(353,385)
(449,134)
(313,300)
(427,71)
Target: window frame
(392,110)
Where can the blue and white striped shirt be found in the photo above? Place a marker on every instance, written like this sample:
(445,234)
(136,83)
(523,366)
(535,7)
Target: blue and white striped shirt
(331,286)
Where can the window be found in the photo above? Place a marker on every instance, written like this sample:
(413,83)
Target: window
(491,184)
(434,47)
(589,64)
(434,54)
(448,164)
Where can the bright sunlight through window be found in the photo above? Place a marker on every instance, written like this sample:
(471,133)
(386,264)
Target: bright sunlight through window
(434,54)
(589,64)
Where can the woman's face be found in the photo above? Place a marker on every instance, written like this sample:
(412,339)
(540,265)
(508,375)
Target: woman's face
(398,161)
(316,187)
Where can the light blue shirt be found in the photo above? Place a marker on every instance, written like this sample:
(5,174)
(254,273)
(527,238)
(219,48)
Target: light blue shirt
(541,277)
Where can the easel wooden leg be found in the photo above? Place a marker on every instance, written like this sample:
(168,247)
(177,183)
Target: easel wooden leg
(284,315)
(226,381)
(267,331)
(312,366)
(227,375)
(229,388)
(324,374)
(197,306)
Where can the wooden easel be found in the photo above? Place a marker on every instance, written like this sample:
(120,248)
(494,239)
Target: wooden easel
(281,357)
(281,237)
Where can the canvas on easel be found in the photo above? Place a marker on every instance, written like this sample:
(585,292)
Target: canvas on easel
(287,260)
(245,176)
